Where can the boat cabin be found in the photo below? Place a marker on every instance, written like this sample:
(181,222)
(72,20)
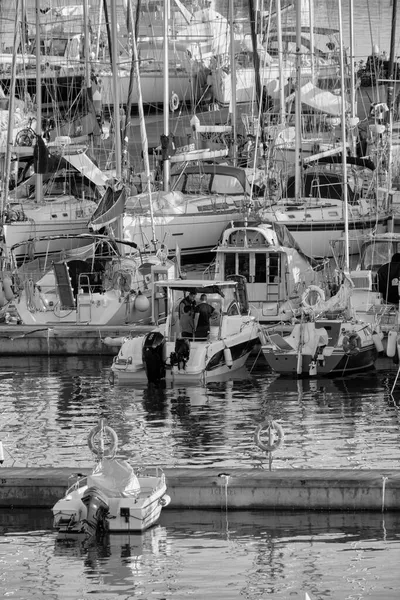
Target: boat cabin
(228,298)
(221,180)
(274,273)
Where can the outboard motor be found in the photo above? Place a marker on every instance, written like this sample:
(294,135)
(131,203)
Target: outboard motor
(97,509)
(153,356)
(181,354)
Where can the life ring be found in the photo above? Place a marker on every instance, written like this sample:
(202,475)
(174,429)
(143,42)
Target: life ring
(352,343)
(174,102)
(315,290)
(98,448)
(275,436)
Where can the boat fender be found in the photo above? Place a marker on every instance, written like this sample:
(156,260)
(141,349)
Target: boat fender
(391,343)
(378,342)
(313,368)
(275,436)
(141,302)
(1,453)
(228,357)
(174,102)
(165,500)
(3,300)
(352,343)
(97,446)
(312,289)
(7,286)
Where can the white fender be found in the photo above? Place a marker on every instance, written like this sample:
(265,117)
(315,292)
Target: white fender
(391,344)
(1,453)
(228,357)
(7,285)
(3,300)
(377,341)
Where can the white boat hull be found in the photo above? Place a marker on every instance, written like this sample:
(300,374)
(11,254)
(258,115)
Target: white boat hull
(193,233)
(152,87)
(124,513)
(207,360)
(315,236)
(19,232)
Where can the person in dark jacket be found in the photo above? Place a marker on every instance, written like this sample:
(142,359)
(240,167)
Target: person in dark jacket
(202,315)
(388,279)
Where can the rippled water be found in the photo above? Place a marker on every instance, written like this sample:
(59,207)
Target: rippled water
(49,406)
(209,555)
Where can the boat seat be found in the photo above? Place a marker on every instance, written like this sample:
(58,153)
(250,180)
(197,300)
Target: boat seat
(279,341)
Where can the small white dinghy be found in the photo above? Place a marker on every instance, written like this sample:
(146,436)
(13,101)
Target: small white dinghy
(113,498)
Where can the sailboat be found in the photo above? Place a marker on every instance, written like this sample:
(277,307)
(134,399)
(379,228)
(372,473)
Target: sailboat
(277,65)
(327,340)
(310,185)
(57,188)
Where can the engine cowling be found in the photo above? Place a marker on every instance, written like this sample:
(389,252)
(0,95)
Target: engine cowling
(153,354)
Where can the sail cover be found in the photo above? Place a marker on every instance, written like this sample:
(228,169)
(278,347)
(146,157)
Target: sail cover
(320,100)
(86,166)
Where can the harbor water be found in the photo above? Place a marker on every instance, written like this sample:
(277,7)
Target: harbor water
(50,404)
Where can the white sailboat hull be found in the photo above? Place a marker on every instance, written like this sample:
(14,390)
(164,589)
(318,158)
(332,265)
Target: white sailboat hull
(191,232)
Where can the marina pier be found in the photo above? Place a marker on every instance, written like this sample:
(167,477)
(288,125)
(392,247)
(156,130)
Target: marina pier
(230,489)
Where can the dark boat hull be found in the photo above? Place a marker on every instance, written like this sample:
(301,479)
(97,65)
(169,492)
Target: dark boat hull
(336,365)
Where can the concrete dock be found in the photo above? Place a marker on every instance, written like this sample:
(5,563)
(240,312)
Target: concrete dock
(233,489)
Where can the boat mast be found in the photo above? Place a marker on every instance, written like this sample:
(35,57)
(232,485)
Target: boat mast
(39,176)
(353,118)
(256,59)
(343,133)
(11,109)
(233,80)
(390,93)
(114,68)
(298,185)
(166,162)
(142,122)
(282,108)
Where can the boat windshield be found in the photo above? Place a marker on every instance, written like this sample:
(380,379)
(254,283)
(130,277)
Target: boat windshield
(376,254)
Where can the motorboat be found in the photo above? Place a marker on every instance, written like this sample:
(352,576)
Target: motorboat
(325,340)
(276,270)
(112,498)
(167,354)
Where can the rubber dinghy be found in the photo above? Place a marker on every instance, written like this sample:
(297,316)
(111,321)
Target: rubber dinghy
(113,498)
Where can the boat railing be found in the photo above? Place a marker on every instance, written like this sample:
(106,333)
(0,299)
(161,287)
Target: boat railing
(80,482)
(209,271)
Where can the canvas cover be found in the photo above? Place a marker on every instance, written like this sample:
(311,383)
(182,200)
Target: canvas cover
(114,477)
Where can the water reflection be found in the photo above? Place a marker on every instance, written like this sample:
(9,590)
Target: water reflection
(213,554)
(50,405)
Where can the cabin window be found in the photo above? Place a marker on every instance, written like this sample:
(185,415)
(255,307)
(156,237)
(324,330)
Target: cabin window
(244,265)
(274,272)
(196,183)
(226,185)
(260,275)
(230,265)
